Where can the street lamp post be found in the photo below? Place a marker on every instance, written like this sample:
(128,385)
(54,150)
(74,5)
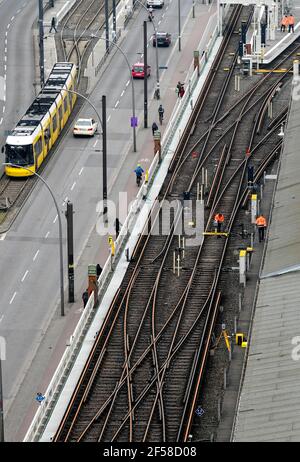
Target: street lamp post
(157,91)
(61,263)
(179,27)
(132,84)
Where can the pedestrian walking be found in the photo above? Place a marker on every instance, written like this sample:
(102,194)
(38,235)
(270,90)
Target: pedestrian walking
(53,24)
(98,270)
(291,23)
(218,221)
(85,297)
(261,224)
(117,226)
(154,128)
(181,92)
(161,114)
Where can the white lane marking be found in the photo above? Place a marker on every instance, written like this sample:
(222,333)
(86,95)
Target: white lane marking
(6,34)
(47,234)
(73,185)
(2,235)
(55,219)
(109,118)
(36,254)
(117,103)
(1,120)
(1,317)
(19,11)
(94,145)
(23,278)
(81,171)
(12,298)
(159,22)
(3,109)
(5,58)
(65,200)
(5,49)
(127,83)
(8,26)
(122,93)
(12,18)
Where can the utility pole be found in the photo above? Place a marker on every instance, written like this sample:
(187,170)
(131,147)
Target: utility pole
(107,25)
(179,27)
(1,403)
(114,17)
(41,42)
(70,241)
(104,151)
(145,77)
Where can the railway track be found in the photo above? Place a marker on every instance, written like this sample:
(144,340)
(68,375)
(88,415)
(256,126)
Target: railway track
(85,19)
(144,375)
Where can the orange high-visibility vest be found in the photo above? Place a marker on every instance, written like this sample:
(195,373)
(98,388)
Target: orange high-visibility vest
(291,20)
(285,21)
(261,221)
(219,218)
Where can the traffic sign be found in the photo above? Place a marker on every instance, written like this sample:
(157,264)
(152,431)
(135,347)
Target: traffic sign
(133,121)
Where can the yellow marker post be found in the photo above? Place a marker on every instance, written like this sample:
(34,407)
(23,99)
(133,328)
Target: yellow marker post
(147,176)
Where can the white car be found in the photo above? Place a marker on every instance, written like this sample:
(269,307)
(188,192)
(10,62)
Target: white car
(155,3)
(85,127)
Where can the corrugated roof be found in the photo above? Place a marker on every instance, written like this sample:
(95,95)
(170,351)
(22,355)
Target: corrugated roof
(269,407)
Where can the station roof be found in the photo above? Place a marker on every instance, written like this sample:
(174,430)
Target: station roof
(269,406)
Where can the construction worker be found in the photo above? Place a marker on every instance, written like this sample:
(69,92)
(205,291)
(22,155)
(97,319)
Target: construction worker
(261,224)
(219,219)
(291,23)
(284,23)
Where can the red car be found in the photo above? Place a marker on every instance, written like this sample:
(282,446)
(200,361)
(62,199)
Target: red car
(138,71)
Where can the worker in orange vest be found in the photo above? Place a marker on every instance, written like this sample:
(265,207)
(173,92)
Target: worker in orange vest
(219,219)
(284,23)
(261,223)
(291,23)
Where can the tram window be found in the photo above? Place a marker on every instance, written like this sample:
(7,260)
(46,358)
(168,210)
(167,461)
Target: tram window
(54,122)
(20,155)
(38,147)
(66,104)
(47,134)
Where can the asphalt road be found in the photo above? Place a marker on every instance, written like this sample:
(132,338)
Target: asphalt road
(16,62)
(29,262)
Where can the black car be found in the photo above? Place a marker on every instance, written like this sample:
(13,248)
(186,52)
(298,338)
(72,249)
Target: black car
(163,39)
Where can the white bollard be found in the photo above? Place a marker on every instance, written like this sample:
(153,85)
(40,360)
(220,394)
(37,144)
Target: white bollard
(253,208)
(242,267)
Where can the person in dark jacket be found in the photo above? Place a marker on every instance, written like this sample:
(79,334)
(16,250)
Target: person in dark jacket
(154,127)
(98,270)
(85,297)
(53,25)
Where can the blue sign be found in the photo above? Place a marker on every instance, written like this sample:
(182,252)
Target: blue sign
(199,411)
(133,121)
(39,397)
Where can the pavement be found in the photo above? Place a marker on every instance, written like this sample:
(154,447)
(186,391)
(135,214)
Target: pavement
(36,334)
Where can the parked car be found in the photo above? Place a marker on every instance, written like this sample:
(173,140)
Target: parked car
(85,127)
(163,39)
(155,3)
(138,71)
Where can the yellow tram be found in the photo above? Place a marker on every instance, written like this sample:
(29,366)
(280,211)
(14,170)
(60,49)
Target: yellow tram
(35,134)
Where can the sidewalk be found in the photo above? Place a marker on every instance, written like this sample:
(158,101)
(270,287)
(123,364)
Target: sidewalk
(96,248)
